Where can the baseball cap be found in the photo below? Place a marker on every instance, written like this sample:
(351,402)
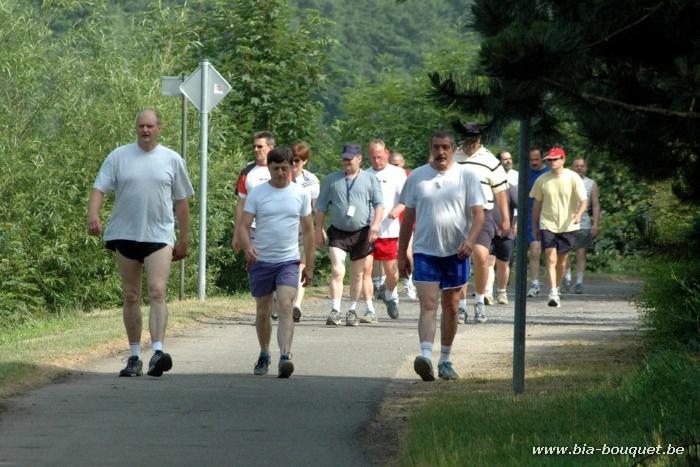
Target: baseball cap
(351,151)
(472,130)
(555,153)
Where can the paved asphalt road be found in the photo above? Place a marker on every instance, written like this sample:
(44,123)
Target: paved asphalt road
(211,410)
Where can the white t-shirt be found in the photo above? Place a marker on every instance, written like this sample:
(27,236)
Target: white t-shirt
(277,213)
(145,185)
(309,182)
(491,172)
(442,201)
(391,179)
(512,176)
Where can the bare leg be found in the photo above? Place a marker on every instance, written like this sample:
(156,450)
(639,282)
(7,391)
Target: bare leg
(534,260)
(550,255)
(391,270)
(502,274)
(561,265)
(158,270)
(448,322)
(263,321)
(581,261)
(299,290)
(285,328)
(367,272)
(428,298)
(357,274)
(480,260)
(130,271)
(337,272)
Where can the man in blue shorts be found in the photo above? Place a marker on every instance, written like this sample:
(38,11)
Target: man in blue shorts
(149,181)
(277,206)
(446,201)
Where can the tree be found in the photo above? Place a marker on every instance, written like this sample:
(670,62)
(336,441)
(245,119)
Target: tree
(626,71)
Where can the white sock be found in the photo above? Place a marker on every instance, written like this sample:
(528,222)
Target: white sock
(353,306)
(479,298)
(463,303)
(335,304)
(445,353)
(392,294)
(567,275)
(370,305)
(500,290)
(554,291)
(135,349)
(426,350)
(536,283)
(157,345)
(579,277)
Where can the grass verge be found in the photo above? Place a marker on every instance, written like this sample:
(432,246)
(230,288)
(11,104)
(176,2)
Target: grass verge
(45,349)
(584,407)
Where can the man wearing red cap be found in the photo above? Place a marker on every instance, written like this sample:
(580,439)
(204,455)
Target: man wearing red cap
(560,200)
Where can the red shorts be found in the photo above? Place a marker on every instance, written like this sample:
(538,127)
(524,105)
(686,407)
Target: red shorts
(386,249)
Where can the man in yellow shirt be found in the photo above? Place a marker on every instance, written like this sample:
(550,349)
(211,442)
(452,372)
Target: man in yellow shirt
(560,200)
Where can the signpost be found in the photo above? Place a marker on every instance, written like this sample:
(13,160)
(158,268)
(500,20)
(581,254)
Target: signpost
(205,88)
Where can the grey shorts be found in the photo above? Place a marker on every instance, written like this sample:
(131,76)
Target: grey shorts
(563,242)
(488,231)
(584,239)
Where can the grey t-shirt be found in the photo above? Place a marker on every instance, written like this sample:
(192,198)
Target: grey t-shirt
(442,201)
(277,212)
(145,185)
(585,222)
(365,195)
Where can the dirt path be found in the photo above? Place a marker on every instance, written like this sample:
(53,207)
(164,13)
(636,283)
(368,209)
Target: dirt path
(211,410)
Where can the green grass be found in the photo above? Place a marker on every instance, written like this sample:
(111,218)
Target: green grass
(471,424)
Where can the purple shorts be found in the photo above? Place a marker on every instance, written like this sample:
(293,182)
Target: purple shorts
(266,277)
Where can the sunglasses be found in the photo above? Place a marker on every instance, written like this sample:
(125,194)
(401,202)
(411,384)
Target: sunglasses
(297,161)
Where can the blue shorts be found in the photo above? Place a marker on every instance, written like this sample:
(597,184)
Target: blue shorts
(266,277)
(450,271)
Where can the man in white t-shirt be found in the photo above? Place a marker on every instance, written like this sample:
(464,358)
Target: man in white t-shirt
(254,174)
(279,206)
(445,201)
(391,180)
(149,181)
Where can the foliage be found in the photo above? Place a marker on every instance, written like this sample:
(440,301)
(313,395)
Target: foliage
(656,405)
(628,71)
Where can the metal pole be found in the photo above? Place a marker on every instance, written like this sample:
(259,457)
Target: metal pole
(521,259)
(183,153)
(204,128)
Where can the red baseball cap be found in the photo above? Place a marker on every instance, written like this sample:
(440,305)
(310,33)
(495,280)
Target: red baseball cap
(555,153)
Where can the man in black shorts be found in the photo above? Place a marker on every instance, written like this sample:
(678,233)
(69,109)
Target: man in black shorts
(560,200)
(149,181)
(356,200)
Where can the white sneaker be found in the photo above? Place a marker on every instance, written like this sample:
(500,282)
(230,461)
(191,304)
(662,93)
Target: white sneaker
(462,316)
(554,300)
(488,299)
(479,315)
(534,290)
(502,298)
(410,290)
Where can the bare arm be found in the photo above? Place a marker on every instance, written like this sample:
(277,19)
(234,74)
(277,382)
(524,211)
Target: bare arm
(595,201)
(467,246)
(94,224)
(235,238)
(244,236)
(320,235)
(405,233)
(182,212)
(396,212)
(502,205)
(307,230)
(374,228)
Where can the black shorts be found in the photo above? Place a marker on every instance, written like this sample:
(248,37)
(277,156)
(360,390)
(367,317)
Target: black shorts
(356,243)
(563,242)
(488,231)
(502,248)
(134,250)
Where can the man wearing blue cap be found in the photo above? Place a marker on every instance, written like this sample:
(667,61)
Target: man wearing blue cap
(357,210)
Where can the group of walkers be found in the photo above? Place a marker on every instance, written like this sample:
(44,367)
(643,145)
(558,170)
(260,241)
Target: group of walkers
(424,226)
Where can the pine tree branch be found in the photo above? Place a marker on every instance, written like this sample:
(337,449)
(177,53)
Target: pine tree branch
(625,105)
(629,26)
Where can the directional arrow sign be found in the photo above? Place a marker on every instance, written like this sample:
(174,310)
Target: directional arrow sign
(217,88)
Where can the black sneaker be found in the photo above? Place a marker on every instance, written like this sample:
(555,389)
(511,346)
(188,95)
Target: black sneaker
(296,314)
(262,365)
(285,368)
(159,363)
(133,367)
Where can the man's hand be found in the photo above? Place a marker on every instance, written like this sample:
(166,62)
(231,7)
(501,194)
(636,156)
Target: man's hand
(594,230)
(180,251)
(465,249)
(505,227)
(251,254)
(405,266)
(373,234)
(320,238)
(307,275)
(235,245)
(576,217)
(94,224)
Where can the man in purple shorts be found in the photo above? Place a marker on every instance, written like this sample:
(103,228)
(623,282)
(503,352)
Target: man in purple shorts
(446,202)
(149,181)
(277,206)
